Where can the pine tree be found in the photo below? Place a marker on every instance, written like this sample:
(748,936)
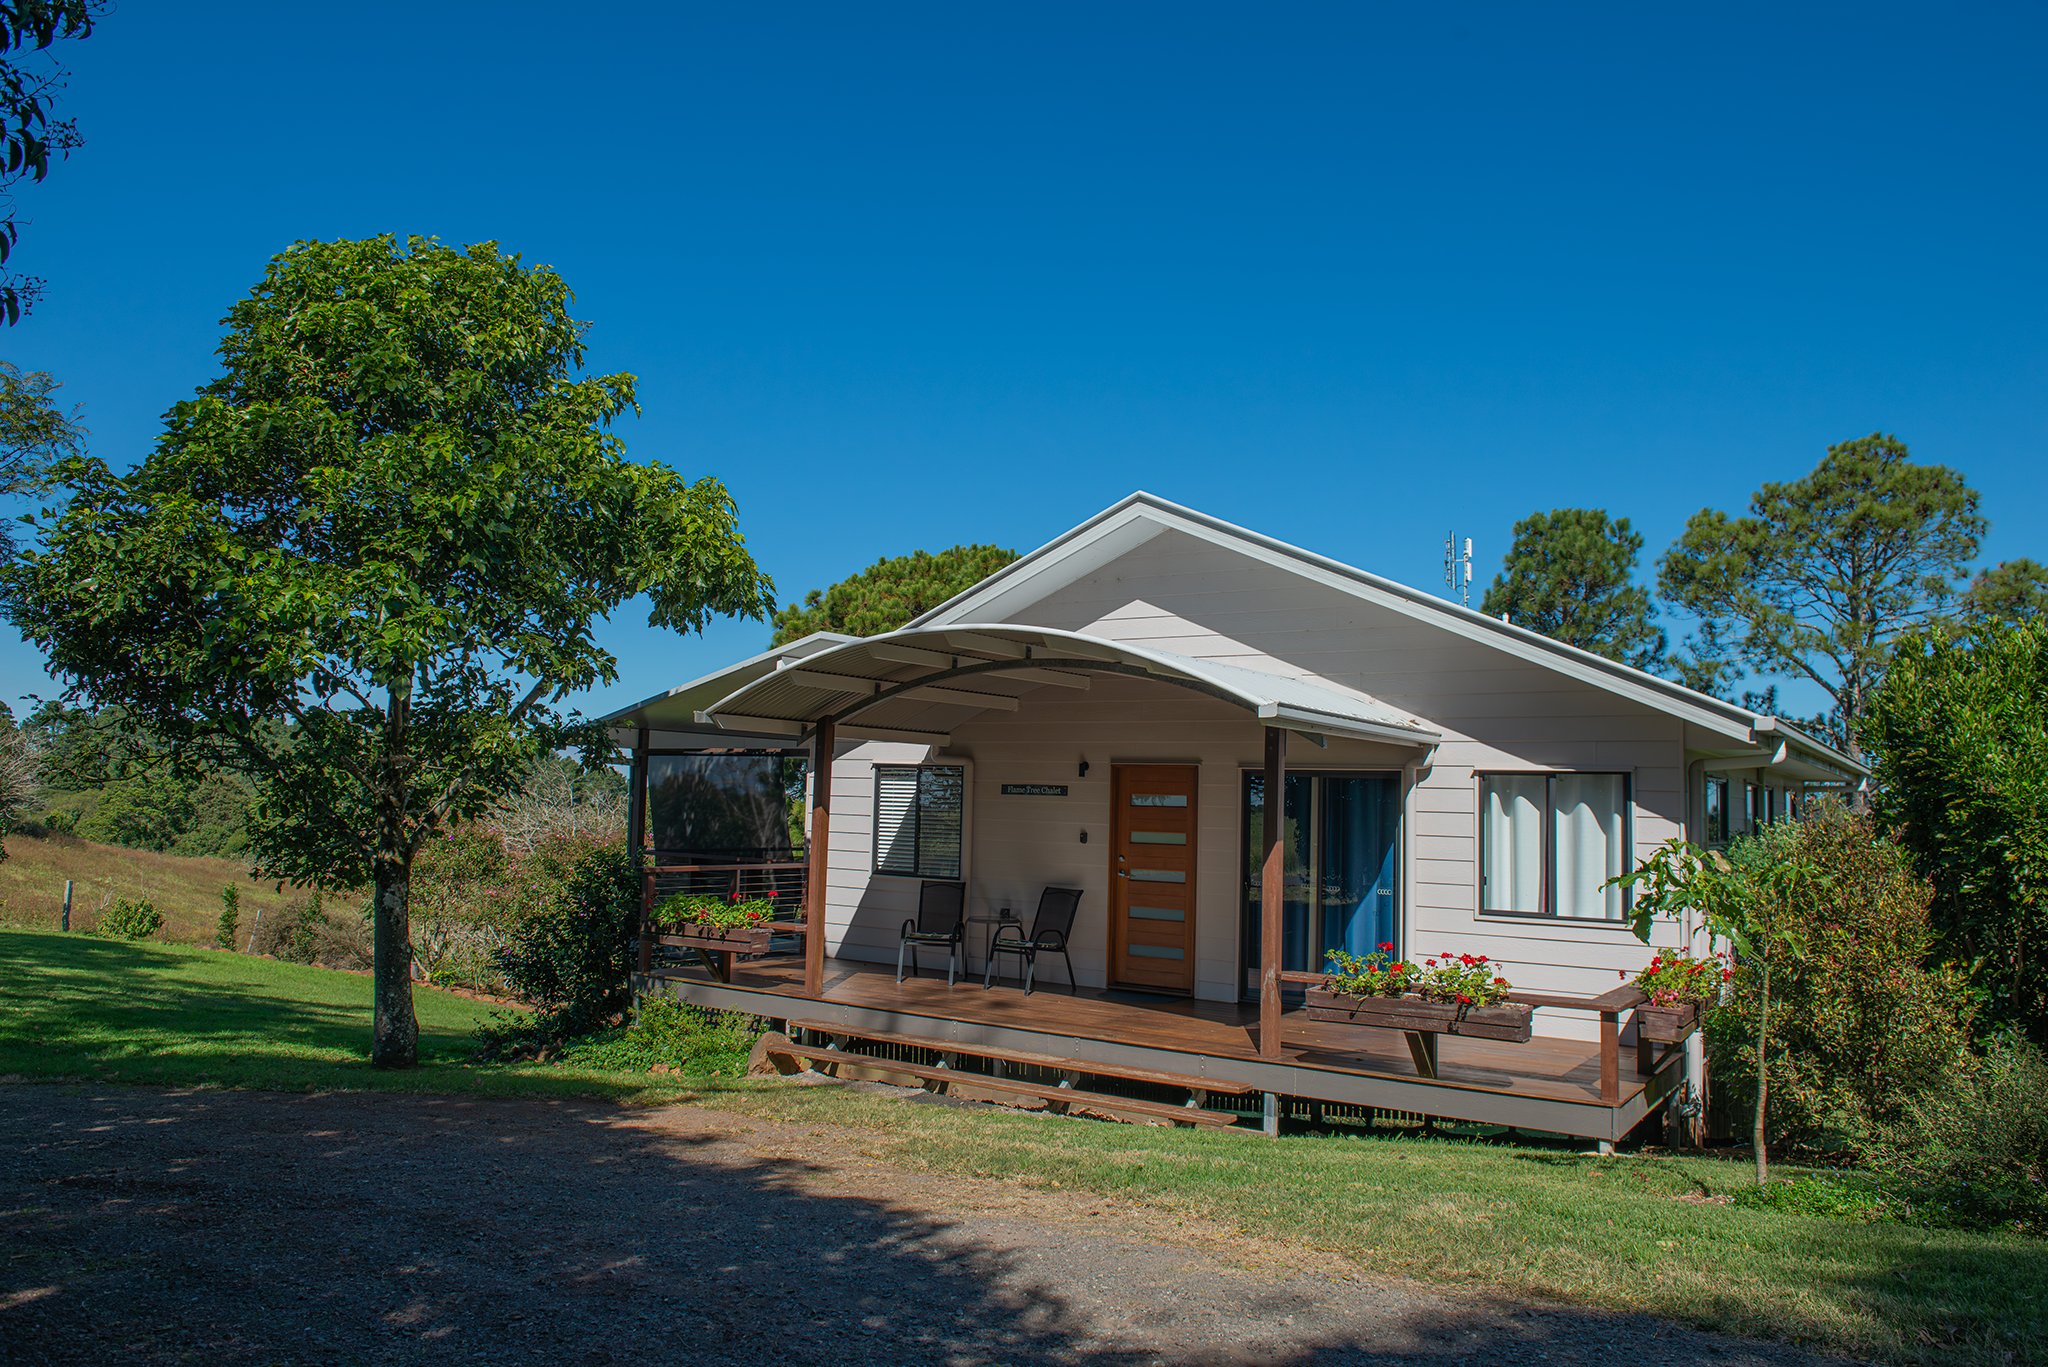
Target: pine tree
(1570,575)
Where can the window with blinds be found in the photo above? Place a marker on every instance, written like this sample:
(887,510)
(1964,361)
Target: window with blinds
(918,819)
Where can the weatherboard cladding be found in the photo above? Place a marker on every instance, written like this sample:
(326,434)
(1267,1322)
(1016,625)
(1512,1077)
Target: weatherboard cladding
(1225,613)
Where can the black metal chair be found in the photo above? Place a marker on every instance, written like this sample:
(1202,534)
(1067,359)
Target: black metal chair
(1049,932)
(941,920)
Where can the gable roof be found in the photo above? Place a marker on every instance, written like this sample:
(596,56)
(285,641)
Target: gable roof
(1136,519)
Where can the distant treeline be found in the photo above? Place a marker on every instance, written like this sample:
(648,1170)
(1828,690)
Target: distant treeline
(101,785)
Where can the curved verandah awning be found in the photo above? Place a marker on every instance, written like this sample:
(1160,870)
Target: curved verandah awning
(918,684)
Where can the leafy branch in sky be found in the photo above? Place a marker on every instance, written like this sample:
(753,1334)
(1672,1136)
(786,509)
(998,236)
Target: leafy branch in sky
(29,137)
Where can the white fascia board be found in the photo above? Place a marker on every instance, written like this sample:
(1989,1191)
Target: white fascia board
(1066,558)
(1813,751)
(1323,724)
(736,676)
(1140,517)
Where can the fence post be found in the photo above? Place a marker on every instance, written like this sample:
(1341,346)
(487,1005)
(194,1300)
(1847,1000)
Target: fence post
(67,906)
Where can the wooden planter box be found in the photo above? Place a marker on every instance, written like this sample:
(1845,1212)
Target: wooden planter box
(1416,1016)
(1666,1024)
(721,939)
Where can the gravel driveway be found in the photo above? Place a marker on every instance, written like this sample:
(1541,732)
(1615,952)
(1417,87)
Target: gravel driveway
(245,1227)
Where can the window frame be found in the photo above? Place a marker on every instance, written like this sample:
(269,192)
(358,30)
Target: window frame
(921,873)
(1711,838)
(1550,910)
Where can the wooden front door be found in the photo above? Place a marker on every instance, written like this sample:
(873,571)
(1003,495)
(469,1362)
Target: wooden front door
(1152,877)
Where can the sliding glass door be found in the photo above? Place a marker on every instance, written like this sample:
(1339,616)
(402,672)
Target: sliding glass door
(1340,838)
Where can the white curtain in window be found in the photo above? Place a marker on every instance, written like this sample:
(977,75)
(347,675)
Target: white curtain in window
(1511,843)
(1589,844)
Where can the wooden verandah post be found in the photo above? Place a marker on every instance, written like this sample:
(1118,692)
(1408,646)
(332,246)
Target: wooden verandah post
(822,743)
(636,843)
(1272,891)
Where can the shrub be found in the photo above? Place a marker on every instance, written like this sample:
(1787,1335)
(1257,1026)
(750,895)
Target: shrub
(1973,1150)
(230,916)
(1858,1025)
(460,906)
(1960,731)
(570,947)
(670,1033)
(130,921)
(306,932)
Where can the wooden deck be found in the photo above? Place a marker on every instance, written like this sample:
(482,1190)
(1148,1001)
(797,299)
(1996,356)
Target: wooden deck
(1546,1084)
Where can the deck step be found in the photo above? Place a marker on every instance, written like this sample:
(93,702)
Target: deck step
(1065,1065)
(1098,1101)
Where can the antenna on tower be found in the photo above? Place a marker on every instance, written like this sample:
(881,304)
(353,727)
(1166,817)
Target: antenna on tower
(1458,568)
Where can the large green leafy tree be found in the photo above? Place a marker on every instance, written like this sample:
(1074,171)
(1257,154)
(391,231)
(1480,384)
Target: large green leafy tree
(889,593)
(1829,572)
(1960,729)
(362,567)
(1570,574)
(29,137)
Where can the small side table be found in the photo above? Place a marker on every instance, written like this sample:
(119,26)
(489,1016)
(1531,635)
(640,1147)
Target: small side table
(1002,920)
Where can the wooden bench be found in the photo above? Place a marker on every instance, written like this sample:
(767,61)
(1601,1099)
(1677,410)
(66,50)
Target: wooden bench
(1609,1005)
(1081,1067)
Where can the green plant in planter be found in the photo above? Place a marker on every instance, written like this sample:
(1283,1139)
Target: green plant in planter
(1374,975)
(1460,979)
(724,913)
(1466,979)
(1674,979)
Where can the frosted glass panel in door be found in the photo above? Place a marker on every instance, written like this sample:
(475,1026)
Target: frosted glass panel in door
(1511,842)
(1589,848)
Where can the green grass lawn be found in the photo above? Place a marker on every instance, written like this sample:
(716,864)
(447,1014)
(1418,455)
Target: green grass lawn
(72,1006)
(1612,1232)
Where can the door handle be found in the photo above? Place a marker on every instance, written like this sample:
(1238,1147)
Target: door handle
(1123,873)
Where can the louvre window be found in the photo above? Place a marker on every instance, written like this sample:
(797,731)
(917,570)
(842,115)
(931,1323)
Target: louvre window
(918,819)
(1548,842)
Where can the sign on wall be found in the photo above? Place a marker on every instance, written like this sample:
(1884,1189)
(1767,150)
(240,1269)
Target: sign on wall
(1034,790)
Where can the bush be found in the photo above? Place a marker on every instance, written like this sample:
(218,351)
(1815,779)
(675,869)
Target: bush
(1973,1150)
(460,908)
(670,1033)
(230,916)
(1858,1025)
(570,949)
(130,921)
(305,932)
(1960,731)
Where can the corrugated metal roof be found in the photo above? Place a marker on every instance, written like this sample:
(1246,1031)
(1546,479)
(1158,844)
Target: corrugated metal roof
(930,680)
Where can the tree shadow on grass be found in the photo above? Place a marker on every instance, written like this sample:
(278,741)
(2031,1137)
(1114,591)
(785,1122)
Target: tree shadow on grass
(263,1228)
(98,988)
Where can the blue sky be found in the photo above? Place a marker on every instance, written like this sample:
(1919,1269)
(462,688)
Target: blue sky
(911,275)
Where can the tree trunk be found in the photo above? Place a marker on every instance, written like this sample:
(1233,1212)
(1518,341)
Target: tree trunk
(1859,797)
(1763,1082)
(395,1034)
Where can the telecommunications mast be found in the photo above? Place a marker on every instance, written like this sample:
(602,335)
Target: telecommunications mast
(1458,568)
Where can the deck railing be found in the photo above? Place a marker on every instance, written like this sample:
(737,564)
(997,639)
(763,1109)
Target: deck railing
(1608,1006)
(783,881)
